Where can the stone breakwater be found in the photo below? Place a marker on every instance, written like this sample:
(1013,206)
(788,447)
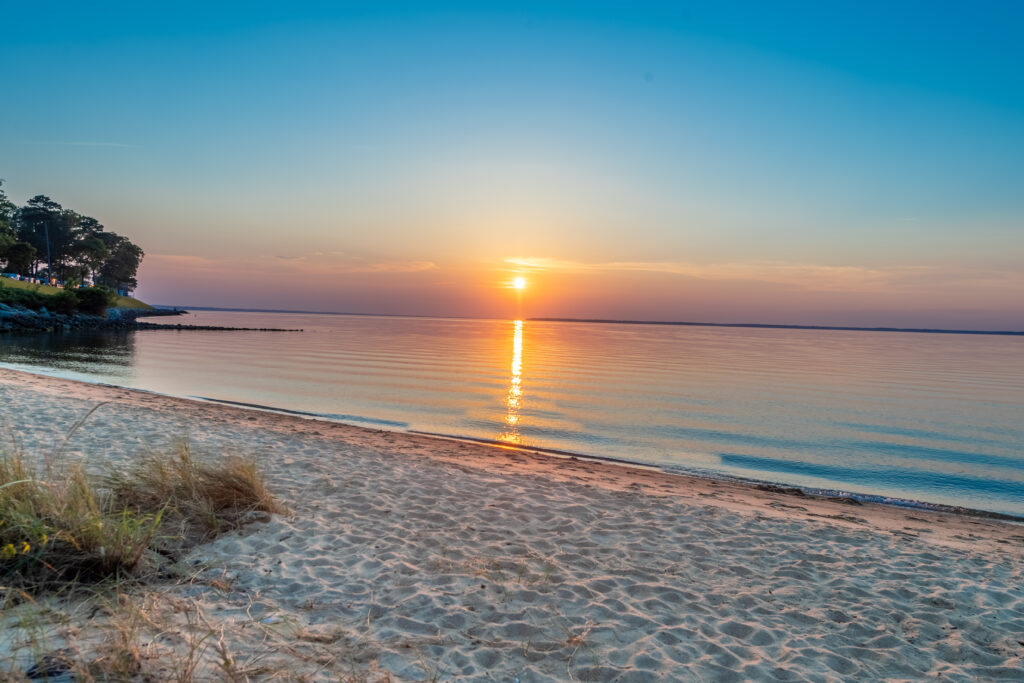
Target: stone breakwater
(15,319)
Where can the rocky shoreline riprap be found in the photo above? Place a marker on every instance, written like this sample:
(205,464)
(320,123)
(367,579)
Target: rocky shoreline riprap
(15,319)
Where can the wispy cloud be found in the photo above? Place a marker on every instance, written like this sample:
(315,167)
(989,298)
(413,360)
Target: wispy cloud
(89,143)
(800,275)
(398,267)
(543,263)
(86,143)
(343,262)
(320,263)
(184,261)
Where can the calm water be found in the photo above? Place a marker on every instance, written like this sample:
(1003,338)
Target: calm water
(938,418)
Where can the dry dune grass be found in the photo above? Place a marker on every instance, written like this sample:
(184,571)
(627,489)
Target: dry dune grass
(157,636)
(75,545)
(197,500)
(62,528)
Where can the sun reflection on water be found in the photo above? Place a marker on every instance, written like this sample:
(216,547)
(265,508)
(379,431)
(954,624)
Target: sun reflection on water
(513,399)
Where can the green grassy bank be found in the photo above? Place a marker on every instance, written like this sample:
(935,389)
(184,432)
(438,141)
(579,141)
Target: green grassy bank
(47,290)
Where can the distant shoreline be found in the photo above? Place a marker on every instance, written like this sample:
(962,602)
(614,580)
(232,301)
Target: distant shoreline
(612,321)
(780,326)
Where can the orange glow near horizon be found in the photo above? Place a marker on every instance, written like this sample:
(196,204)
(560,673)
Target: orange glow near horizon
(513,398)
(734,293)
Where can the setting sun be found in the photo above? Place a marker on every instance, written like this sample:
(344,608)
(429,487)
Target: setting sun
(519,283)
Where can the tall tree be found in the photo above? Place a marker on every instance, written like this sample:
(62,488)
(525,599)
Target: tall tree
(88,226)
(120,268)
(8,236)
(63,241)
(21,257)
(72,245)
(36,221)
(91,253)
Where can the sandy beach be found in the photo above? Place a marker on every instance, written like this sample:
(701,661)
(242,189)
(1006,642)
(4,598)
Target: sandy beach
(411,558)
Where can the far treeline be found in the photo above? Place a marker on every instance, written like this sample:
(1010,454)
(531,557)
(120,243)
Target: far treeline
(43,239)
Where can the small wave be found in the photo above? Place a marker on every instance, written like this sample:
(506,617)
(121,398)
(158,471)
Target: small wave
(392,424)
(357,420)
(683,470)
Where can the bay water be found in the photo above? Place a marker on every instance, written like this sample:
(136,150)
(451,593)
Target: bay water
(937,418)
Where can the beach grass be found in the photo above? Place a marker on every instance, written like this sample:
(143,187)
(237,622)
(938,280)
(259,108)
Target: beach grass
(94,545)
(197,499)
(62,528)
(119,301)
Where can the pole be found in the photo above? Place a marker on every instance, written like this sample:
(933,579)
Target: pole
(49,263)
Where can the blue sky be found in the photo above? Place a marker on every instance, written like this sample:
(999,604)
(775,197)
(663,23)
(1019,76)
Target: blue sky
(796,162)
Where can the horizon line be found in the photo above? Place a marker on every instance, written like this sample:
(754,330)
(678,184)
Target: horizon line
(613,321)
(782,326)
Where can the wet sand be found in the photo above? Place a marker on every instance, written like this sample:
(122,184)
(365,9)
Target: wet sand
(415,558)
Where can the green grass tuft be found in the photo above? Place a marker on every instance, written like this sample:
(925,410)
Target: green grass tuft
(61,528)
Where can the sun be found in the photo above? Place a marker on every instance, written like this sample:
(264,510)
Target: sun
(519,283)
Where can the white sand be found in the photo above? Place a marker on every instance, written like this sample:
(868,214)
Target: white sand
(412,558)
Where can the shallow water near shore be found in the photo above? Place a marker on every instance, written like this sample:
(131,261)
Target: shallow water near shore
(930,417)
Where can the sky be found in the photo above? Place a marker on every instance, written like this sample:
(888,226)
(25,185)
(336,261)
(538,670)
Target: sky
(790,162)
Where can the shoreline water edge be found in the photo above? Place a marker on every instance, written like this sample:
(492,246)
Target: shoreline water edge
(782,487)
(413,557)
(839,495)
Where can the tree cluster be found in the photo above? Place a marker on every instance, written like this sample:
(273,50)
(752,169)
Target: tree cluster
(43,239)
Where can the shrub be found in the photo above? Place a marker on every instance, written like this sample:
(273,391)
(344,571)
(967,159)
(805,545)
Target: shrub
(64,301)
(94,300)
(28,298)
